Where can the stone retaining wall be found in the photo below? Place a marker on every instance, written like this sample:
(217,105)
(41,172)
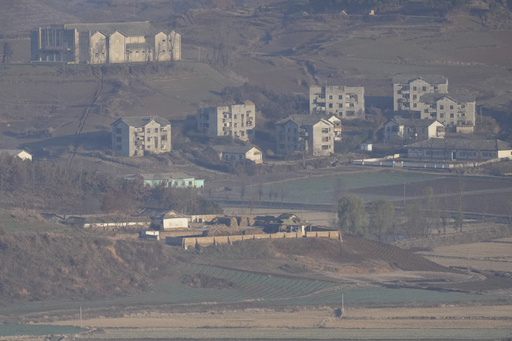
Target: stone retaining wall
(218,240)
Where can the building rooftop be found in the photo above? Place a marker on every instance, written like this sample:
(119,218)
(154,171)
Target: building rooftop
(233,149)
(141,121)
(412,122)
(461,144)
(458,98)
(129,29)
(303,120)
(431,79)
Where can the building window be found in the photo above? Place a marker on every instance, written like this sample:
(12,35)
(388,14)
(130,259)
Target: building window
(340,105)
(330,105)
(118,139)
(424,88)
(326,146)
(441,107)
(156,130)
(451,115)
(149,139)
(325,130)
(340,97)
(414,88)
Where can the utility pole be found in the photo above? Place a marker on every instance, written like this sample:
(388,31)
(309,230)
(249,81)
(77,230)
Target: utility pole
(404,194)
(342,305)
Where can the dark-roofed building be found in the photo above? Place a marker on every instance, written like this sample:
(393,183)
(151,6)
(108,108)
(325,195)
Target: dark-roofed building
(238,153)
(455,112)
(407,90)
(404,130)
(459,149)
(100,43)
(305,133)
(136,136)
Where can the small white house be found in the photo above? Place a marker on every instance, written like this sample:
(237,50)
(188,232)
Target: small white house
(173,220)
(239,153)
(367,147)
(20,153)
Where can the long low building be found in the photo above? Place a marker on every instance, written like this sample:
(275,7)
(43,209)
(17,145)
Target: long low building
(104,43)
(459,149)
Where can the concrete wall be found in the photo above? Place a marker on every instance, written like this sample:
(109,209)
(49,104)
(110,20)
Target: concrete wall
(207,241)
(114,225)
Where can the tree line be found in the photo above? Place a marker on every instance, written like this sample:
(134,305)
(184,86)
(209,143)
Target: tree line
(46,186)
(381,220)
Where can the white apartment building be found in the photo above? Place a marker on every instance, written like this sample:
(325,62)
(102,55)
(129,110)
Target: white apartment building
(407,90)
(136,136)
(343,101)
(236,121)
(305,133)
(455,112)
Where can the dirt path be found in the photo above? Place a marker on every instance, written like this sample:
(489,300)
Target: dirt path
(317,323)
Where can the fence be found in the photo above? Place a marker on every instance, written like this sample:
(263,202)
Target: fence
(219,240)
(386,162)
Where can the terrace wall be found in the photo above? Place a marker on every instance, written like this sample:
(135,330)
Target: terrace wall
(219,240)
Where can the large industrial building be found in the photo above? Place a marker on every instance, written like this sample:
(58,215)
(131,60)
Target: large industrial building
(104,43)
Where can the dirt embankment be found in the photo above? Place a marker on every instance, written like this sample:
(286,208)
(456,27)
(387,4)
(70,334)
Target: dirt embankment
(39,266)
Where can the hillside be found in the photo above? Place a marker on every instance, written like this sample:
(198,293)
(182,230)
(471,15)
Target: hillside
(277,49)
(45,266)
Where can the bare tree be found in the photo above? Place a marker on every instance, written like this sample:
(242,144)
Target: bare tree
(221,47)
(172,44)
(7,52)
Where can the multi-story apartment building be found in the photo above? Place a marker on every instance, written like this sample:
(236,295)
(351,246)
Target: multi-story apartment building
(343,101)
(407,90)
(455,112)
(136,136)
(236,121)
(305,133)
(103,43)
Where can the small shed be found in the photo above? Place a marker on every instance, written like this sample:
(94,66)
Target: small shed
(20,153)
(173,220)
(367,146)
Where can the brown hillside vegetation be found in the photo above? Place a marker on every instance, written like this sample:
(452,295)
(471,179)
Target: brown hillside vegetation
(41,266)
(312,257)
